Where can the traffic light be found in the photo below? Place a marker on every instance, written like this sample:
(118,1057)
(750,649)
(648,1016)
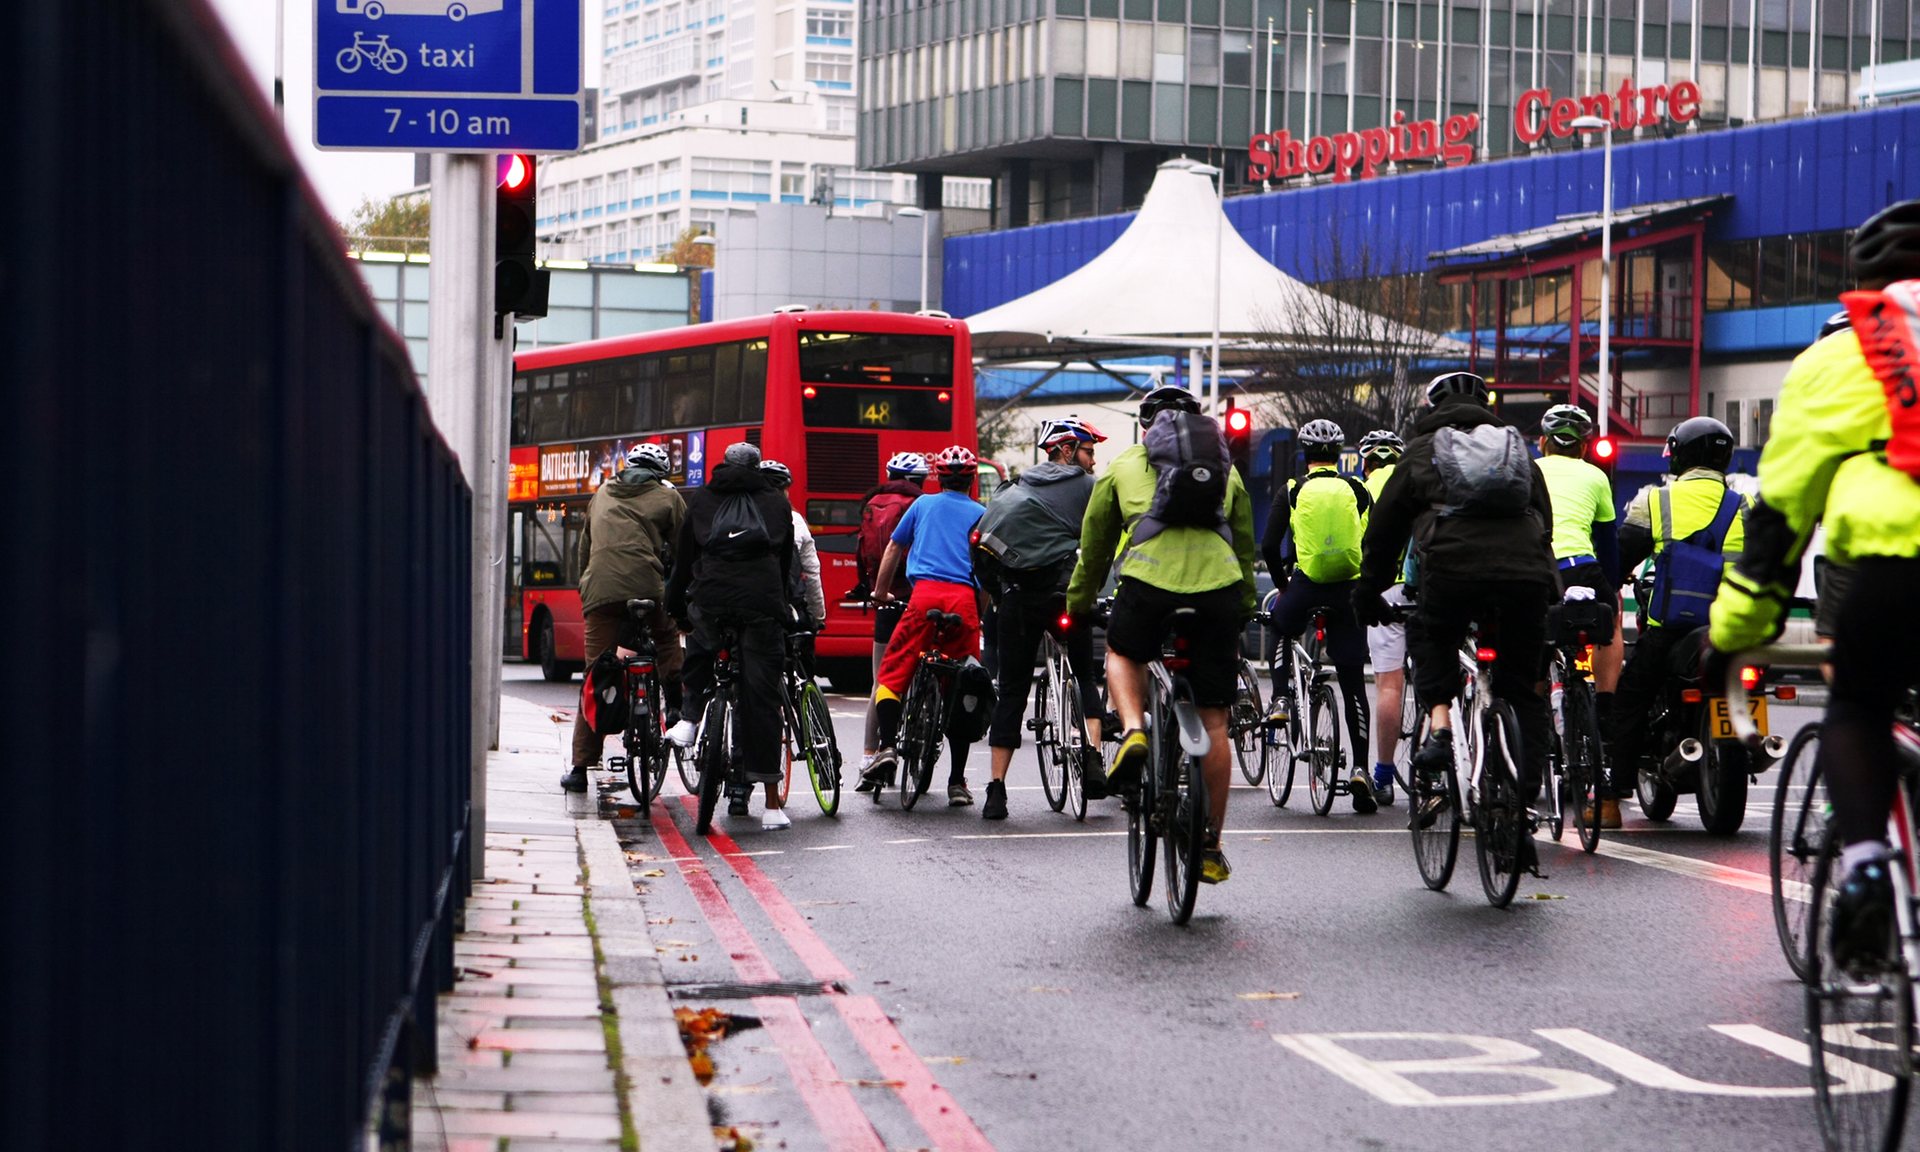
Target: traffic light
(1605,453)
(1239,426)
(518,286)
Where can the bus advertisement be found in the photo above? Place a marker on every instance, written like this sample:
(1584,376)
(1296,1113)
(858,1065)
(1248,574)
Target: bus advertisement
(830,394)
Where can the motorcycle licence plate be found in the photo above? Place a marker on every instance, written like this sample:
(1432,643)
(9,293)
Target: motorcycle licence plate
(1723,720)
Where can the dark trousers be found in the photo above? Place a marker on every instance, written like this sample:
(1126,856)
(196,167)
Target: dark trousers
(1346,649)
(1025,616)
(1875,634)
(1641,682)
(608,625)
(1512,619)
(760,659)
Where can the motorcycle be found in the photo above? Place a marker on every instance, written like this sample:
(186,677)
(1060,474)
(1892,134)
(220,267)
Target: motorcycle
(1692,748)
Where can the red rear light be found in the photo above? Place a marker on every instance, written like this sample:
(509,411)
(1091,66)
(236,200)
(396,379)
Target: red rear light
(1065,622)
(1485,655)
(809,392)
(1691,696)
(1320,635)
(945,397)
(1786,692)
(1749,677)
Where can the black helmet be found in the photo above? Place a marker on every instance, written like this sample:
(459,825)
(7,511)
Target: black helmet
(1838,322)
(1164,397)
(1701,442)
(1887,246)
(1457,384)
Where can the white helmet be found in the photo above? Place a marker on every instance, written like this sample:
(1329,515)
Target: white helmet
(652,457)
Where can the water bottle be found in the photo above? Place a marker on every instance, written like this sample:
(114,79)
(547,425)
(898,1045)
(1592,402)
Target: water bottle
(1559,694)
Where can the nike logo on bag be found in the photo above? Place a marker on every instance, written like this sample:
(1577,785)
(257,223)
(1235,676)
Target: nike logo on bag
(741,532)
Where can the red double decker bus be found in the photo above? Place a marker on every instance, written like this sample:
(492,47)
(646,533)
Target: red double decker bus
(831,394)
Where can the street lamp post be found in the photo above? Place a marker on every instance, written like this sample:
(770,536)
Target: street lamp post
(1219,230)
(911,213)
(1596,124)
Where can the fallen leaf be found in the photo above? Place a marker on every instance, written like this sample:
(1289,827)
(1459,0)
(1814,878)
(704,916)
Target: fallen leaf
(702,1067)
(560,718)
(1269,996)
(873,1083)
(625,811)
(945,1059)
(654,873)
(1545,896)
(659,919)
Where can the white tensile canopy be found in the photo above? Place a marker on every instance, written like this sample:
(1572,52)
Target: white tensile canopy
(1153,290)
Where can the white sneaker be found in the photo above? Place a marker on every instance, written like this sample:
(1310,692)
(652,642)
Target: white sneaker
(683,733)
(774,819)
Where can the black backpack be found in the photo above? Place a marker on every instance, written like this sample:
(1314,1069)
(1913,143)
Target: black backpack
(1188,453)
(739,532)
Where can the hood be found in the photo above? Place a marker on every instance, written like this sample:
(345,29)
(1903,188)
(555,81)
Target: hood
(735,478)
(1047,472)
(632,481)
(1456,412)
(899,488)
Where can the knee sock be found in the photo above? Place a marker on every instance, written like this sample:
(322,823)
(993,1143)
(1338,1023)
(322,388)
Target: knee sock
(956,761)
(1353,686)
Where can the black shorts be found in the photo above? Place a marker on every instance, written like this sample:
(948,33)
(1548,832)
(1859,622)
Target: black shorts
(1831,581)
(1213,639)
(1591,575)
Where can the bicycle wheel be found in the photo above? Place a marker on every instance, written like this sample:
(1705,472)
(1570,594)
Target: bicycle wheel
(1795,837)
(912,733)
(1247,727)
(1282,754)
(1142,840)
(1500,821)
(1586,763)
(1323,729)
(1409,734)
(822,749)
(713,761)
(640,779)
(1557,794)
(686,763)
(1183,798)
(1437,845)
(1073,748)
(1047,735)
(1860,1033)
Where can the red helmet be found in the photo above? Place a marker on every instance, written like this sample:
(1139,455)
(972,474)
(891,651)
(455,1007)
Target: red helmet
(955,461)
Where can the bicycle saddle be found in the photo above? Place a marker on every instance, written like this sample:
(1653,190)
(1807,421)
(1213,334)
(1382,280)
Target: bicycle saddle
(641,608)
(940,619)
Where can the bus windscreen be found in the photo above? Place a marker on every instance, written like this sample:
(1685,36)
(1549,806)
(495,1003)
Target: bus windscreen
(887,358)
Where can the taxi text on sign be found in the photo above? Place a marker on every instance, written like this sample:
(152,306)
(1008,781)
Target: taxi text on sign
(447,75)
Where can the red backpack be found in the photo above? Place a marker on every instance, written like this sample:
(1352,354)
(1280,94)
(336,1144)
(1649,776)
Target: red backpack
(1888,324)
(878,519)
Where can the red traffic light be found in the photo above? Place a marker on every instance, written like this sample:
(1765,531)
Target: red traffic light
(515,172)
(1605,450)
(1239,420)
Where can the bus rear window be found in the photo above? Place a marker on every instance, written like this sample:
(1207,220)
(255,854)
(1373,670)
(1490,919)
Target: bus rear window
(876,358)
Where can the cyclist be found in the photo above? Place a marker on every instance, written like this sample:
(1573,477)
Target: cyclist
(1826,460)
(1027,544)
(1698,452)
(1586,550)
(631,524)
(880,512)
(934,539)
(1380,452)
(1179,567)
(1313,532)
(1494,568)
(731,571)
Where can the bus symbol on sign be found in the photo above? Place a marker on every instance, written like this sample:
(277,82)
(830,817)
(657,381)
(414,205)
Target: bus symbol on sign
(455,10)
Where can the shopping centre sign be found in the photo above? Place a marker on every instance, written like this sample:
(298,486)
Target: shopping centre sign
(1539,114)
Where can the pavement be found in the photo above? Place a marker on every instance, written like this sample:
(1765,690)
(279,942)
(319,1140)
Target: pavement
(558,1034)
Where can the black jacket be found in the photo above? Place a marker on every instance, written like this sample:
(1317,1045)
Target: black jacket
(1508,548)
(756,587)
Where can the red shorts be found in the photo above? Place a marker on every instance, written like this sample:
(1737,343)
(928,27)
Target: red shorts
(914,634)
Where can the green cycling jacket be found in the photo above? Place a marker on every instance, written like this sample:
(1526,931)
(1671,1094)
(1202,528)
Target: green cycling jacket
(1179,559)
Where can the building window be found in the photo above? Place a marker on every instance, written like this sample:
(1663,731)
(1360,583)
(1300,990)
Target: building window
(728,178)
(837,26)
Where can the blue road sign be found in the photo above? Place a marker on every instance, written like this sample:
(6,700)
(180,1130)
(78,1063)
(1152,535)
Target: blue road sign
(447,75)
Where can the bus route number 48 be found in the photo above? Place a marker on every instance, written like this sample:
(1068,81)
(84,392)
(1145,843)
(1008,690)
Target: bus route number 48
(877,413)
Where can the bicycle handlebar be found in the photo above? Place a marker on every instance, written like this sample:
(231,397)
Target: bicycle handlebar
(1776,655)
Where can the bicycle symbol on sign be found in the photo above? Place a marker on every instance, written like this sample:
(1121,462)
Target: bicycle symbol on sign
(374,50)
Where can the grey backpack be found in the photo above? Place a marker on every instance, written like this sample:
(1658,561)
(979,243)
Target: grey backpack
(1188,453)
(1487,471)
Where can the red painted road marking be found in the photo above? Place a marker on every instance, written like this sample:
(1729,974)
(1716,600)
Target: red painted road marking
(839,1115)
(932,1107)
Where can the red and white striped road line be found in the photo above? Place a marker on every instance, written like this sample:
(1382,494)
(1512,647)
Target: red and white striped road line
(931,1106)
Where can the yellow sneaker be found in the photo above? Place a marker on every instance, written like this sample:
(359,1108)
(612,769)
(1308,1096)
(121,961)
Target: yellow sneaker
(1123,773)
(1214,868)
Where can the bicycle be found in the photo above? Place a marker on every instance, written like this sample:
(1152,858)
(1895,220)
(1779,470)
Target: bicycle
(926,711)
(644,740)
(1059,727)
(808,729)
(373,50)
(1576,763)
(1316,737)
(1861,1095)
(717,741)
(1247,728)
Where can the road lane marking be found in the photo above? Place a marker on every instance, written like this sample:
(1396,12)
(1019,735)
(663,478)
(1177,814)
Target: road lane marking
(910,840)
(1697,869)
(931,1106)
(1859,1077)
(808,848)
(820,1084)
(1653,1074)
(1388,1080)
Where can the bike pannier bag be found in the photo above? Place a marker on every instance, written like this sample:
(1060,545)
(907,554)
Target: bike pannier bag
(972,702)
(1188,453)
(603,700)
(1487,470)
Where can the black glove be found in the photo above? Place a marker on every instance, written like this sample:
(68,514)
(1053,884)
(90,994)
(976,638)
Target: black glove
(1370,606)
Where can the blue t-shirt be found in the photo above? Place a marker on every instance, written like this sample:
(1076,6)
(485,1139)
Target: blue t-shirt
(937,532)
